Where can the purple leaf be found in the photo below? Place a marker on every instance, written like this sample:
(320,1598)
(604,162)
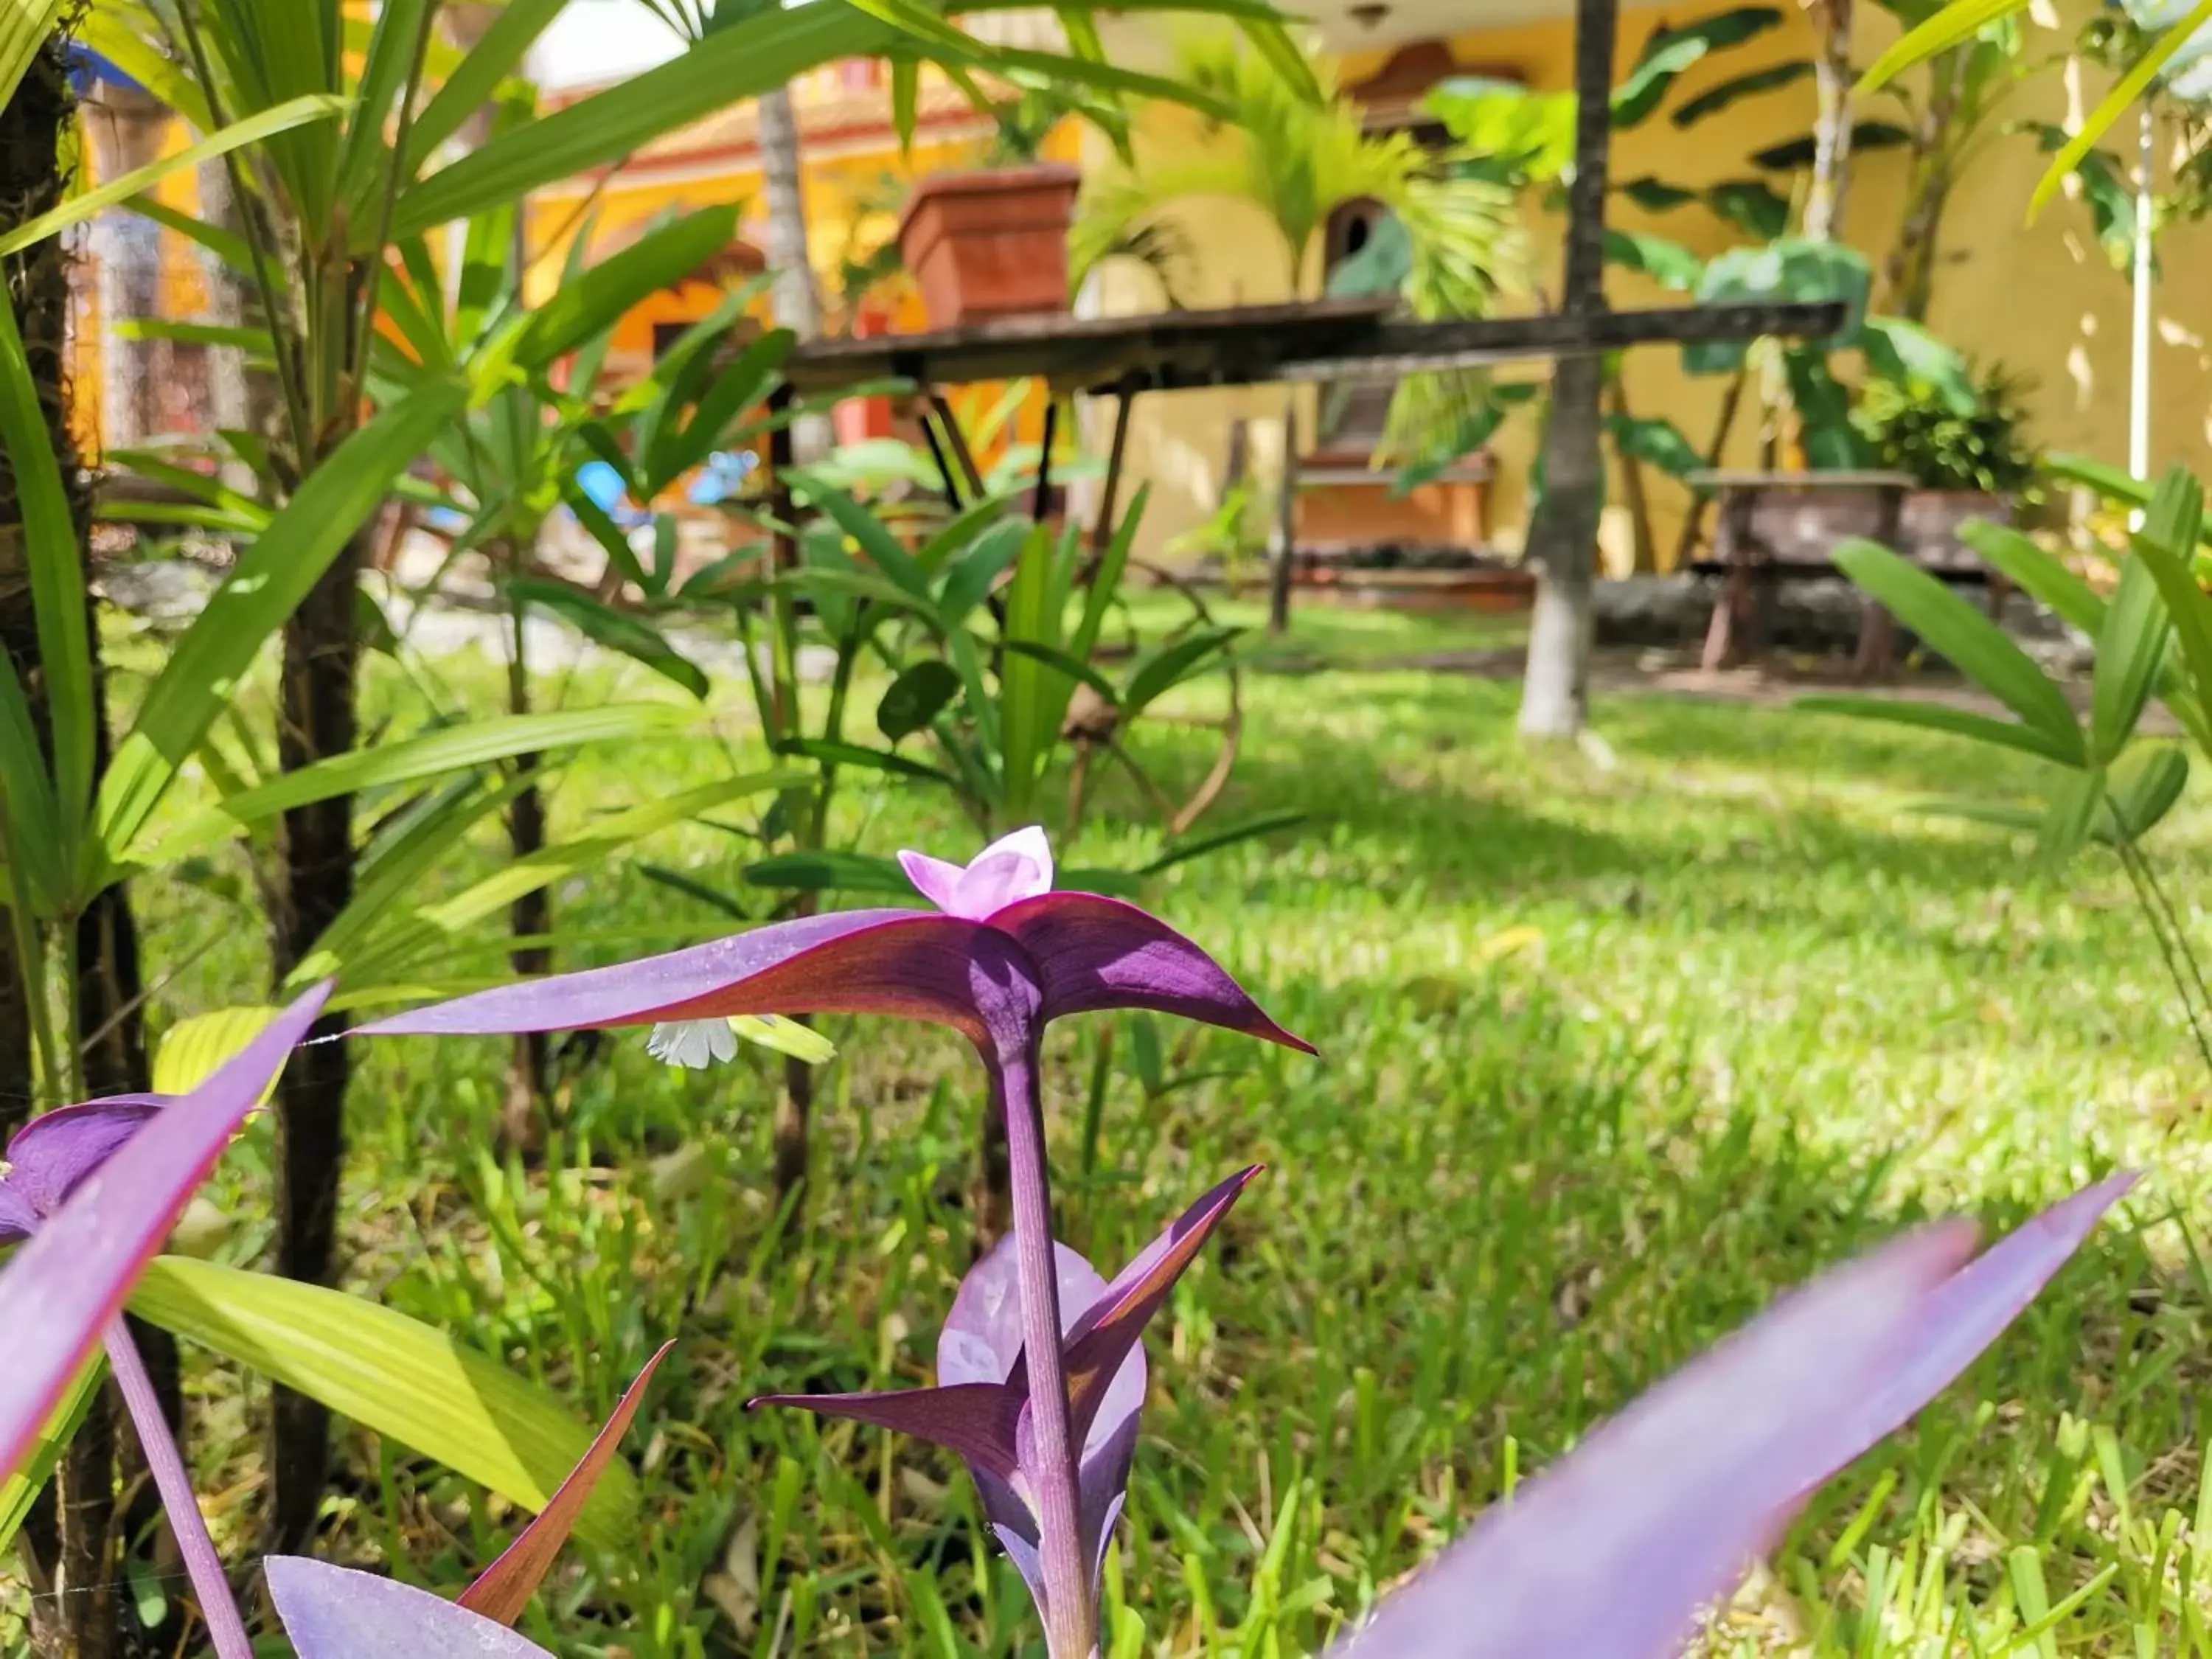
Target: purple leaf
(911,962)
(975,1419)
(57,1294)
(505,1588)
(1114,1325)
(1093,952)
(51,1153)
(1610,1555)
(1044,955)
(1975,1304)
(331,1613)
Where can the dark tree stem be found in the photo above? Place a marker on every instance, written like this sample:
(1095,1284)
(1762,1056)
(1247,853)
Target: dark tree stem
(72,1543)
(317,719)
(523,1115)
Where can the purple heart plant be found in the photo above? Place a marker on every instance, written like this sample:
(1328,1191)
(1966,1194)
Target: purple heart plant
(1001,956)
(90,1192)
(1041,1370)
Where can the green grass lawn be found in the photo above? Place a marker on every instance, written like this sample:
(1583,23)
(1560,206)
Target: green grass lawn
(1608,1057)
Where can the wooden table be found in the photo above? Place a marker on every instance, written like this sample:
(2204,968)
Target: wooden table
(1780,526)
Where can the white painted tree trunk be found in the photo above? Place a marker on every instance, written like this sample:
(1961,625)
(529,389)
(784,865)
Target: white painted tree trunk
(798,303)
(1563,532)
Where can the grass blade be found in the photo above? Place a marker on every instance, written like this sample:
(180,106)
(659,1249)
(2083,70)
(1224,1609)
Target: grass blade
(1976,645)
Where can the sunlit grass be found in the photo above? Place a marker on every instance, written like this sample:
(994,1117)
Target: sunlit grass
(1608,1057)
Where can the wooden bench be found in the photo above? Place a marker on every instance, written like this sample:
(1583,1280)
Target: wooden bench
(1777,527)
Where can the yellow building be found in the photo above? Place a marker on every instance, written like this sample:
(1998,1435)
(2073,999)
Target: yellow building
(854,177)
(2041,300)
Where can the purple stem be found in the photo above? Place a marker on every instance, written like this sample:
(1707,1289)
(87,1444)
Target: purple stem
(225,1628)
(1070,1621)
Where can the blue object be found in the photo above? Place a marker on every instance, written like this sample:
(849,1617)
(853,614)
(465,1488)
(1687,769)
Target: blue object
(88,69)
(723,477)
(603,488)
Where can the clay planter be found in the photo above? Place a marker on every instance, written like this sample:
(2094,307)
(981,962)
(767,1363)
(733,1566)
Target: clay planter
(990,244)
(1929,524)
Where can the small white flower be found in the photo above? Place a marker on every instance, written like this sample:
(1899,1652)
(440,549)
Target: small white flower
(697,1043)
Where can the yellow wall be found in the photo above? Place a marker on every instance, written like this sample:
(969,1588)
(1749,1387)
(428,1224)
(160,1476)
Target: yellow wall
(2042,299)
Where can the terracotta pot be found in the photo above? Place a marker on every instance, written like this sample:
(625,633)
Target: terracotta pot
(857,419)
(990,244)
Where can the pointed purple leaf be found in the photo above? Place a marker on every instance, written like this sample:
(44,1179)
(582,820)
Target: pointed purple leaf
(1972,1307)
(913,964)
(505,1588)
(51,1153)
(57,1294)
(975,1419)
(1093,952)
(1609,1554)
(1111,1329)
(331,1613)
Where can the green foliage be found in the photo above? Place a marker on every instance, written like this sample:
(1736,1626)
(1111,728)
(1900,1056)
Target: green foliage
(1693,992)
(1297,162)
(2100,781)
(391,1373)
(1668,50)
(1912,425)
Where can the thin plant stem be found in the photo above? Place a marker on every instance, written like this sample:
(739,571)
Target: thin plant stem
(2180,934)
(70,1079)
(1071,1623)
(2131,859)
(37,997)
(225,1629)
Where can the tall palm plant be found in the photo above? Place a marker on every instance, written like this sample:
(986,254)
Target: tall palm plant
(321,213)
(1454,239)
(1563,533)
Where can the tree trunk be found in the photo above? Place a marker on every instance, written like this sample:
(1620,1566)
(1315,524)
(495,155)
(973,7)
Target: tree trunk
(125,127)
(1832,129)
(31,124)
(1563,532)
(522,1124)
(1908,274)
(72,1543)
(798,305)
(797,300)
(65,1540)
(316,720)
(1282,537)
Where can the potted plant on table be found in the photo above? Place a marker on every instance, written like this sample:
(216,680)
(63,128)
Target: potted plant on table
(1974,464)
(992,241)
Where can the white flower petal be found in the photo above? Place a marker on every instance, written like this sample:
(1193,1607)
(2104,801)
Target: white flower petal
(691,1043)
